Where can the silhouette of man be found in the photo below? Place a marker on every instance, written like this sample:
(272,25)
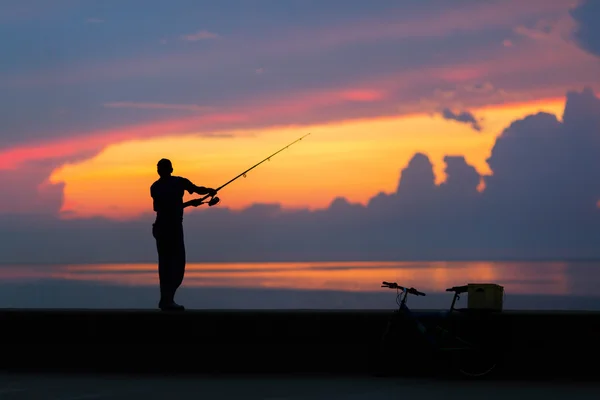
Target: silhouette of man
(167,194)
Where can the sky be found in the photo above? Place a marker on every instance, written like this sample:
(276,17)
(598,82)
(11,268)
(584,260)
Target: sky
(439,130)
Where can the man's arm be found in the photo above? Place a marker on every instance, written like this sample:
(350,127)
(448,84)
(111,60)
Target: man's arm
(192,203)
(191,188)
(204,190)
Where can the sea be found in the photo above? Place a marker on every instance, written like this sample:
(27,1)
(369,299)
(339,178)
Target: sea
(543,285)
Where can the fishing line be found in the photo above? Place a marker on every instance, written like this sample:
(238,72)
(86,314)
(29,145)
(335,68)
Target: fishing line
(215,200)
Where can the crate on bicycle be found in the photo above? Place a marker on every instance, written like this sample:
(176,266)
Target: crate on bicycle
(485,296)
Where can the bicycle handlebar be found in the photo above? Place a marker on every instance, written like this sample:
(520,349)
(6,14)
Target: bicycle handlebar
(394,285)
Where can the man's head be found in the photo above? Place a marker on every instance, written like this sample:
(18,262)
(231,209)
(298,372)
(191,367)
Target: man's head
(164,168)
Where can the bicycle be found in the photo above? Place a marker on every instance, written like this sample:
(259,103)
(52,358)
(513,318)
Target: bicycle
(471,359)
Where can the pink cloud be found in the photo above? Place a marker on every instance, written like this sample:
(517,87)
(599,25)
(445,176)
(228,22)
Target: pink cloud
(363,95)
(252,113)
(94,141)
(302,103)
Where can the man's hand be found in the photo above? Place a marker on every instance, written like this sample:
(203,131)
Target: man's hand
(211,192)
(193,203)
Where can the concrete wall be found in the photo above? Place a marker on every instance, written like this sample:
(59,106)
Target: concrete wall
(531,343)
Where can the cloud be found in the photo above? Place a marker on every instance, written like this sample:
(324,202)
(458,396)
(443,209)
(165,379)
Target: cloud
(405,25)
(83,145)
(541,30)
(444,54)
(539,202)
(479,87)
(200,35)
(464,117)
(274,110)
(587,33)
(468,17)
(158,106)
(31,190)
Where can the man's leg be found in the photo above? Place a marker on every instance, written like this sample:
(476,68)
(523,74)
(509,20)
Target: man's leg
(178,271)
(165,255)
(169,240)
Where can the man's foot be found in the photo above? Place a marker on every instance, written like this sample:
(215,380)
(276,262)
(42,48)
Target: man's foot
(172,306)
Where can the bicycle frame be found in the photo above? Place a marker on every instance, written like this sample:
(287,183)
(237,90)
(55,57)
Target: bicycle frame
(441,340)
(402,293)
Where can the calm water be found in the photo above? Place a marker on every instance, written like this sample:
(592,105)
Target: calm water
(300,285)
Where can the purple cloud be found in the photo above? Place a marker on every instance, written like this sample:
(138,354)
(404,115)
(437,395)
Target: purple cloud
(465,117)
(587,34)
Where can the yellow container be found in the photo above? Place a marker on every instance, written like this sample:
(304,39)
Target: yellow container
(485,296)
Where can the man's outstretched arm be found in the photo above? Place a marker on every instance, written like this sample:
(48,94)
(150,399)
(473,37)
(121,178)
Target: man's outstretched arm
(204,190)
(201,190)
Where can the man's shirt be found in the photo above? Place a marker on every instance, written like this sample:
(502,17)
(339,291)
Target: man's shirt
(167,194)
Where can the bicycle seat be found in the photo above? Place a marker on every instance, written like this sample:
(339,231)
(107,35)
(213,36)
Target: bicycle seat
(458,289)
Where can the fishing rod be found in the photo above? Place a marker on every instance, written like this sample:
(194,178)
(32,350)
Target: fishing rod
(215,200)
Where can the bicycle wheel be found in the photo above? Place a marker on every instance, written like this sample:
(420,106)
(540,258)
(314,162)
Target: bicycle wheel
(389,344)
(476,362)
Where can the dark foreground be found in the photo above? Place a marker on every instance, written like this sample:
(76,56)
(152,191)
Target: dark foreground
(533,345)
(116,387)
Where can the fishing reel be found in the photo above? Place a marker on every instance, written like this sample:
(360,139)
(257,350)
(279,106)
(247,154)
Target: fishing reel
(198,202)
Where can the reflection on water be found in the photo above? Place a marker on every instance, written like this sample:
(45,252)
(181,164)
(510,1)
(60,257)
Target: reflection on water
(552,278)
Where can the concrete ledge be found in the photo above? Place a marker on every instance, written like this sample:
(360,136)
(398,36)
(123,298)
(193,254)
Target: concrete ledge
(546,344)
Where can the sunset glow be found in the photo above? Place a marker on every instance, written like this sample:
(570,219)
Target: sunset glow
(517,278)
(353,159)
